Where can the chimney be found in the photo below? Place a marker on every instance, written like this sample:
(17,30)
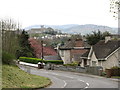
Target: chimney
(107,38)
(78,39)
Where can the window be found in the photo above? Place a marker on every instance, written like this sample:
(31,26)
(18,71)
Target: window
(62,53)
(93,63)
(119,63)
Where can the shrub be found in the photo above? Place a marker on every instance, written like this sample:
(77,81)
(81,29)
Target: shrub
(72,64)
(115,67)
(36,60)
(7,58)
(103,73)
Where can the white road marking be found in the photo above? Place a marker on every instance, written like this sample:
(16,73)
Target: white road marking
(58,78)
(60,75)
(64,83)
(87,84)
(68,77)
(54,74)
(81,80)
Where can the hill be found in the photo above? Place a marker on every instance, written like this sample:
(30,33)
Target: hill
(75,28)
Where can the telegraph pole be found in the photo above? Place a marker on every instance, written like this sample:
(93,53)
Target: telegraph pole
(42,50)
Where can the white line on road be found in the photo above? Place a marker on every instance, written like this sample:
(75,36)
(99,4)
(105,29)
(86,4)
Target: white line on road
(87,84)
(58,78)
(64,83)
(61,75)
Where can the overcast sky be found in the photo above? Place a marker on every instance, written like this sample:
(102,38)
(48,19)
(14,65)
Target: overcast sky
(58,12)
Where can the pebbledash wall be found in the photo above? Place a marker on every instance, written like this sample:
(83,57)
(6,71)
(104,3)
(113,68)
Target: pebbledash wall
(65,55)
(113,60)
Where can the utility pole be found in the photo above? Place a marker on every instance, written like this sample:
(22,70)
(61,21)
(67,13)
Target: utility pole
(42,56)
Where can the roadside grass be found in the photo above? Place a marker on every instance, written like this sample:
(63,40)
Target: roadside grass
(13,77)
(117,77)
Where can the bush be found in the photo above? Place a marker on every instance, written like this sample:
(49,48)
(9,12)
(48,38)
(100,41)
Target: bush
(115,71)
(72,64)
(103,73)
(36,60)
(7,58)
(115,67)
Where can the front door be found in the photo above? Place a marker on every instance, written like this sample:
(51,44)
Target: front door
(85,62)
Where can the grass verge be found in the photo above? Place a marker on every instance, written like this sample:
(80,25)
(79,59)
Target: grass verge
(13,77)
(116,77)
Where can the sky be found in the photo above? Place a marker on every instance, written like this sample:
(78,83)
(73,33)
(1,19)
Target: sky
(58,12)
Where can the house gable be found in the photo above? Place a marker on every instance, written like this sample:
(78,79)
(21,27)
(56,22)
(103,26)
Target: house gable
(118,49)
(72,49)
(93,60)
(104,50)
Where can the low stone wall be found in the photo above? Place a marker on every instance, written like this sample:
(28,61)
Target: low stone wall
(91,70)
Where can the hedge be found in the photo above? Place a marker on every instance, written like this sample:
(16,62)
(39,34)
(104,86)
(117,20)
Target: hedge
(36,60)
(54,61)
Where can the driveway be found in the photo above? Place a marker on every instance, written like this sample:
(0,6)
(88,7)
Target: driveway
(63,79)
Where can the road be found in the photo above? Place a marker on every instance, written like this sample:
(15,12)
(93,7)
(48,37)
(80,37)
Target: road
(62,79)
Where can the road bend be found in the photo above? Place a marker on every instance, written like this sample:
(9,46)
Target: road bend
(63,79)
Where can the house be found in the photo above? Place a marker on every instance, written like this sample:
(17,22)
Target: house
(72,51)
(37,47)
(105,53)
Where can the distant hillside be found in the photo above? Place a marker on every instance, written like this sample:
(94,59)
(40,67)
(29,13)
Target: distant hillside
(75,28)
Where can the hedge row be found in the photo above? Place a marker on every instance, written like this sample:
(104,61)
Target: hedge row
(36,60)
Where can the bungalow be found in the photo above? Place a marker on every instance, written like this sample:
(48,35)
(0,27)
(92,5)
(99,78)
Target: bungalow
(72,51)
(105,53)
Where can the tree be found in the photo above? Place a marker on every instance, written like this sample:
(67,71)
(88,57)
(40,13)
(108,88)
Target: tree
(9,35)
(76,36)
(25,48)
(9,42)
(92,39)
(115,8)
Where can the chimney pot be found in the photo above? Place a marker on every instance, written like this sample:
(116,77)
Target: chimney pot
(107,38)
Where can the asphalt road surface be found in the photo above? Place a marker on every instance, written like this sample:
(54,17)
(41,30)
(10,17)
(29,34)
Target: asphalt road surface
(63,79)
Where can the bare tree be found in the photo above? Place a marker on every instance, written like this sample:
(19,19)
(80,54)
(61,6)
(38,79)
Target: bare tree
(9,35)
(115,8)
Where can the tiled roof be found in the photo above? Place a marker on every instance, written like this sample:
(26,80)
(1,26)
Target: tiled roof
(38,49)
(74,43)
(77,48)
(82,51)
(85,55)
(102,49)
